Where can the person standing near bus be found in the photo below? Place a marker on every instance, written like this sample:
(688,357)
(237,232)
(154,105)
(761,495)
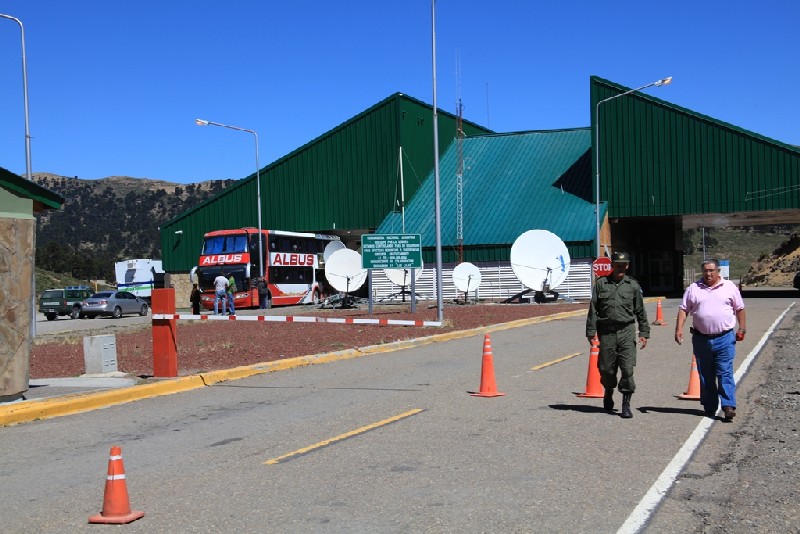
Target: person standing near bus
(263,293)
(220,288)
(231,293)
(194,298)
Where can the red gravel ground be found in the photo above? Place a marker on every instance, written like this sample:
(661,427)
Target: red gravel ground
(213,345)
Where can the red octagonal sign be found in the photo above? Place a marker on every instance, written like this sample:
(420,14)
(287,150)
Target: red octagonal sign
(601,266)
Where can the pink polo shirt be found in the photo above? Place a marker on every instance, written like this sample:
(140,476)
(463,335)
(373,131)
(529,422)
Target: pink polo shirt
(713,309)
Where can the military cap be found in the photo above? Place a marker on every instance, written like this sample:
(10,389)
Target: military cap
(620,257)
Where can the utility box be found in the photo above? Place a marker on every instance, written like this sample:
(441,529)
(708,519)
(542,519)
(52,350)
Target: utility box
(100,354)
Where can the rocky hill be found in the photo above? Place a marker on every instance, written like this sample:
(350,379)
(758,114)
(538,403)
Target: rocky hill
(778,268)
(108,220)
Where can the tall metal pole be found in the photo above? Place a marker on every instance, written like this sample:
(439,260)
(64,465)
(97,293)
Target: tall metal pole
(25,97)
(201,122)
(657,83)
(438,210)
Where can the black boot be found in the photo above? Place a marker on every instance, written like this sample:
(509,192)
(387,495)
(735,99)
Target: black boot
(626,406)
(608,400)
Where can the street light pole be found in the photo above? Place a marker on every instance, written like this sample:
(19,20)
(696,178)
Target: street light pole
(25,97)
(201,122)
(657,83)
(437,198)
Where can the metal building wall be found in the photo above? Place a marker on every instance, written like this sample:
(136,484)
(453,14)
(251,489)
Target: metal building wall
(658,159)
(498,283)
(346,179)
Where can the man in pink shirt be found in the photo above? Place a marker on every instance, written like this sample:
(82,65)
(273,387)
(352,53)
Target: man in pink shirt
(715,305)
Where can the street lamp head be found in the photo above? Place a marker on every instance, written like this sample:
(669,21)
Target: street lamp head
(201,122)
(664,81)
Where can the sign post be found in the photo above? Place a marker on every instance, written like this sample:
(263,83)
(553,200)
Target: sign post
(392,251)
(601,266)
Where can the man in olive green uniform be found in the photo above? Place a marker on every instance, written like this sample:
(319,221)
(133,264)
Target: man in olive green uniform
(616,307)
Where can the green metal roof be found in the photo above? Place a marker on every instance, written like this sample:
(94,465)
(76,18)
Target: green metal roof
(344,180)
(43,198)
(659,159)
(511,183)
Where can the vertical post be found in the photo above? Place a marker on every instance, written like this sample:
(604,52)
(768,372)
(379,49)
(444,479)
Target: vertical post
(437,193)
(165,338)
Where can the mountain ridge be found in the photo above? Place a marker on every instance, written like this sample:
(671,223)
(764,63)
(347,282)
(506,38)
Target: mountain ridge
(109,219)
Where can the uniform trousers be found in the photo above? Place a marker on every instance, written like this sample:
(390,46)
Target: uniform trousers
(617,353)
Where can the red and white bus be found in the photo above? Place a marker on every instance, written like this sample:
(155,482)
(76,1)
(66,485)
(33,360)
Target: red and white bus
(292,266)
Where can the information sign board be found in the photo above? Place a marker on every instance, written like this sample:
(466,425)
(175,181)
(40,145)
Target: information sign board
(391,251)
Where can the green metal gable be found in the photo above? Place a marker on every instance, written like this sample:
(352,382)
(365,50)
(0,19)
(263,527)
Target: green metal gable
(345,180)
(43,198)
(660,159)
(511,183)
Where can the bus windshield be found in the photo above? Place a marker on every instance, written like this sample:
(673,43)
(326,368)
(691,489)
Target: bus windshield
(225,244)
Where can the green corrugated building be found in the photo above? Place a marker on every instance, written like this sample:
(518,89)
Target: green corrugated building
(662,168)
(511,183)
(343,182)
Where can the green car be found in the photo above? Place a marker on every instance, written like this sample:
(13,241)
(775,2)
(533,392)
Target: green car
(65,301)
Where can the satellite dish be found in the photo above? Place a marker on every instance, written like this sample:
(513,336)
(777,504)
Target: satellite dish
(540,260)
(330,248)
(402,277)
(343,270)
(466,277)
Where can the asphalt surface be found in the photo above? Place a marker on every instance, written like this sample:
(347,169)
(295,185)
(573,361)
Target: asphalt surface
(740,479)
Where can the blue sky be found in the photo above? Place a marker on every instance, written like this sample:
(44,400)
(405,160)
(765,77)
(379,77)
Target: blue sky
(114,87)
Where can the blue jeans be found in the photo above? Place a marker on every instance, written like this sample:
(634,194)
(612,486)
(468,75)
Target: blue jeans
(231,307)
(219,297)
(715,366)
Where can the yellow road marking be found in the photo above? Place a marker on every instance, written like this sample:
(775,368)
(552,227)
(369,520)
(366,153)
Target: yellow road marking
(542,366)
(343,436)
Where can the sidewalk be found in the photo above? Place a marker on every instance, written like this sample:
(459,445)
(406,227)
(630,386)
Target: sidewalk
(45,388)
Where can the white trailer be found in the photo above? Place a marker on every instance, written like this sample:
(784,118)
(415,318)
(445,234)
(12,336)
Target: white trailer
(139,276)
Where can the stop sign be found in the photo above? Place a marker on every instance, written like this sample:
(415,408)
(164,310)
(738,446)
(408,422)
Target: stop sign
(601,266)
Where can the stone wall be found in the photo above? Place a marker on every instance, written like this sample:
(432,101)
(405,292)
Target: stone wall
(183,288)
(16,295)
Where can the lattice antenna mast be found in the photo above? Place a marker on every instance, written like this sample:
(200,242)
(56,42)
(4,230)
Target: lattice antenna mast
(459,164)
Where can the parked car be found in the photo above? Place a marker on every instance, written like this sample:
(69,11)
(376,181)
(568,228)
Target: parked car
(796,282)
(64,301)
(113,303)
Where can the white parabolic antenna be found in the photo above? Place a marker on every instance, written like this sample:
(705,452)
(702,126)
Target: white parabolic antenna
(343,270)
(466,277)
(540,260)
(402,277)
(330,248)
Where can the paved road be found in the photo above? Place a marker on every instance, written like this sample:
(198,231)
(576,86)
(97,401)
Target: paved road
(538,459)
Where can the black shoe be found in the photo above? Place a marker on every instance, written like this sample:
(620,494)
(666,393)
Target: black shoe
(608,401)
(730,413)
(626,406)
(709,413)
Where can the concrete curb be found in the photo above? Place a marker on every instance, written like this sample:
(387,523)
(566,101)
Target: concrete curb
(54,407)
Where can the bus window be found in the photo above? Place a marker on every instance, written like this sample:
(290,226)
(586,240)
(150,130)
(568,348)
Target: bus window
(225,244)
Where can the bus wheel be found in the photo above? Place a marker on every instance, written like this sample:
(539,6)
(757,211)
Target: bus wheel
(315,297)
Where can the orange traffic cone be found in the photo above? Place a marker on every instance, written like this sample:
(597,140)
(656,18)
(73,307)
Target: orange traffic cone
(693,393)
(488,385)
(116,508)
(594,389)
(659,315)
